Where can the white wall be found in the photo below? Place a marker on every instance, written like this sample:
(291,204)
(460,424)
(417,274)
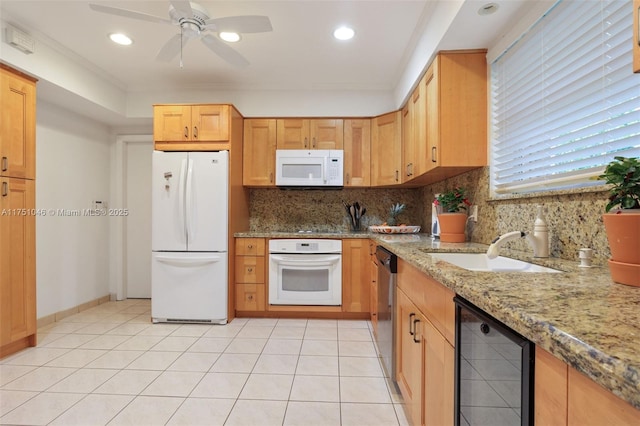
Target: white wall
(72,170)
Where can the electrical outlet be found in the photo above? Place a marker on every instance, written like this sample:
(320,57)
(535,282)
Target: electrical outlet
(473,214)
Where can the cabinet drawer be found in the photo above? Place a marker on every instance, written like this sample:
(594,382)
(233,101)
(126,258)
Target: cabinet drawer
(250,297)
(431,297)
(250,246)
(250,269)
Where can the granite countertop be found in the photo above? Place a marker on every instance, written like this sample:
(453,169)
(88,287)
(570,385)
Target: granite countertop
(580,315)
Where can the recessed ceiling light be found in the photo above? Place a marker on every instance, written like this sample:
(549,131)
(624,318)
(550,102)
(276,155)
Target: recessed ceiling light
(120,39)
(230,37)
(344,33)
(488,9)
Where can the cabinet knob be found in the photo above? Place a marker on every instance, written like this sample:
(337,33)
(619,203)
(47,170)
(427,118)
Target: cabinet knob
(5,164)
(195,132)
(397,175)
(271,177)
(249,269)
(5,189)
(433,155)
(411,322)
(250,297)
(250,246)
(305,142)
(347,177)
(186,132)
(314,143)
(415,334)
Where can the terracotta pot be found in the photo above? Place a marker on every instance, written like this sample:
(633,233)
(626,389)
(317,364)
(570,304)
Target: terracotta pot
(452,227)
(623,231)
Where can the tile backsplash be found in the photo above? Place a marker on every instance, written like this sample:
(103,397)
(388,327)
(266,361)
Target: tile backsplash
(574,219)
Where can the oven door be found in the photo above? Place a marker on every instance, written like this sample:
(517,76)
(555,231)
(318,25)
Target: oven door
(305,279)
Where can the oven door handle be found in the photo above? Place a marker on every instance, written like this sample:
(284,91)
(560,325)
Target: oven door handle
(292,261)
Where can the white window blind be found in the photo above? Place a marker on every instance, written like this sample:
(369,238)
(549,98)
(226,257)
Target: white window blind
(564,99)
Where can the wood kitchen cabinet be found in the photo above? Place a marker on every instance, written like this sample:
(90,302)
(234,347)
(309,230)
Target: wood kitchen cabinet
(386,149)
(564,396)
(357,152)
(636,35)
(306,133)
(356,285)
(259,152)
(414,141)
(373,295)
(455,96)
(17,124)
(425,360)
(205,127)
(17,206)
(250,272)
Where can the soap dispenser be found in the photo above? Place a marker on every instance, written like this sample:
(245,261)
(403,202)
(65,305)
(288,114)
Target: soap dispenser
(541,233)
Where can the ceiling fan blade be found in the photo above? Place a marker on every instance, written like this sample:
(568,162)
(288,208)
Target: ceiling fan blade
(183,7)
(171,48)
(241,24)
(225,52)
(128,13)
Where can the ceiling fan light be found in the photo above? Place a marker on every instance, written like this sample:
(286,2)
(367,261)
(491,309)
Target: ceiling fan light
(121,39)
(344,33)
(230,37)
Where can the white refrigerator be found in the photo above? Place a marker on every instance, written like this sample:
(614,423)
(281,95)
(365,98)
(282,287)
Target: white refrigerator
(189,234)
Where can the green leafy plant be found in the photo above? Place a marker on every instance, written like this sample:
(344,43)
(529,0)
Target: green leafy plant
(394,212)
(623,174)
(453,201)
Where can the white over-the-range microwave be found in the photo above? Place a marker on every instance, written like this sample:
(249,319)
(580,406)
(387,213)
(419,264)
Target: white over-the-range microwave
(309,168)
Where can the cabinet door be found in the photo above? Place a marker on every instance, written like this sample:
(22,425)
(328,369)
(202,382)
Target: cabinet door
(17,125)
(386,149)
(589,404)
(355,276)
(357,152)
(373,274)
(326,133)
(259,159)
(439,359)
(210,123)
(293,133)
(172,123)
(409,356)
(419,129)
(550,400)
(431,118)
(17,260)
(407,141)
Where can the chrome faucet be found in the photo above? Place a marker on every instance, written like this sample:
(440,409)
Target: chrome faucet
(539,240)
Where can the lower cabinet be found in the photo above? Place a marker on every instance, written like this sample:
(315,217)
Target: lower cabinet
(250,268)
(373,290)
(355,275)
(564,396)
(18,265)
(424,356)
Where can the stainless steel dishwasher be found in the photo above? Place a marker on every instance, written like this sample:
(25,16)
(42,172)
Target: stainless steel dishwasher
(386,337)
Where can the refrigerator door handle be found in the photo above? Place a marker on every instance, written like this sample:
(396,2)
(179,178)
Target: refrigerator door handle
(180,197)
(189,202)
(188,262)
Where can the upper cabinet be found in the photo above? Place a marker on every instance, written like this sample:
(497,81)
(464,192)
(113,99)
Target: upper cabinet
(386,149)
(414,140)
(357,152)
(17,125)
(191,127)
(303,133)
(259,152)
(455,90)
(636,35)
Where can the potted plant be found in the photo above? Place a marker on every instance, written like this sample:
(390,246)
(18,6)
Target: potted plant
(622,219)
(451,218)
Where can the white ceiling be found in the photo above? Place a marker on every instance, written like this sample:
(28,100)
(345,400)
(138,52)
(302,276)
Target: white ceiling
(299,54)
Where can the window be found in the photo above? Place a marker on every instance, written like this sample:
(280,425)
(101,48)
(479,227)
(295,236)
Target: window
(564,99)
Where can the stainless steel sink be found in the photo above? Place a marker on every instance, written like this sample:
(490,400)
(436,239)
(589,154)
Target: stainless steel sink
(480,262)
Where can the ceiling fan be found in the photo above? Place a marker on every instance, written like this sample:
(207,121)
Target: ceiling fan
(194,21)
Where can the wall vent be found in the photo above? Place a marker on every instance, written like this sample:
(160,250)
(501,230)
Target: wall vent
(20,40)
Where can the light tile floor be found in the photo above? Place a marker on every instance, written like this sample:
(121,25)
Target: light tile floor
(110,365)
